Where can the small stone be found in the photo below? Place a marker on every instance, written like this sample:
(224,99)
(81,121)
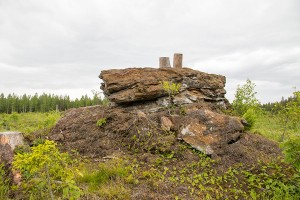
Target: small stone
(17,177)
(57,137)
(166,123)
(141,114)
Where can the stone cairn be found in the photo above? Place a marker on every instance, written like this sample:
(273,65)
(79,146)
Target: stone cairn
(132,85)
(202,127)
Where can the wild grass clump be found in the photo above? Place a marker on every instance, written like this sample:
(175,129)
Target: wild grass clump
(107,180)
(251,117)
(103,173)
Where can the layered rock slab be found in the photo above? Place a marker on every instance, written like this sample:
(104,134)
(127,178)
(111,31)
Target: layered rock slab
(142,84)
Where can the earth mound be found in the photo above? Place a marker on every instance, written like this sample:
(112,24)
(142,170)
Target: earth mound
(129,131)
(145,118)
(167,138)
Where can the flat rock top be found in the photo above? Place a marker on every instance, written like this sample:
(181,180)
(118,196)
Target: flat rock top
(138,84)
(118,79)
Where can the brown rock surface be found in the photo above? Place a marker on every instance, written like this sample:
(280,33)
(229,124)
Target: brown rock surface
(141,122)
(166,123)
(126,131)
(140,84)
(204,129)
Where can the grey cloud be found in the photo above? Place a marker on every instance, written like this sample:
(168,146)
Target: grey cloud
(61,44)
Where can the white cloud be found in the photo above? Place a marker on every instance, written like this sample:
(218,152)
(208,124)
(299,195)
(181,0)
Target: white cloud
(62,45)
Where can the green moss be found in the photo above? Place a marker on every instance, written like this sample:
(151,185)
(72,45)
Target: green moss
(101,122)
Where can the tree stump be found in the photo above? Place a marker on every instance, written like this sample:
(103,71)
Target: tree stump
(8,142)
(164,62)
(177,60)
(13,139)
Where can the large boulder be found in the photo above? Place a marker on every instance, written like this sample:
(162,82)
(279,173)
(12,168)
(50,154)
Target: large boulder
(206,131)
(142,84)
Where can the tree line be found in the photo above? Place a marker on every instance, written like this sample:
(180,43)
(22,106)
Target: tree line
(45,102)
(277,106)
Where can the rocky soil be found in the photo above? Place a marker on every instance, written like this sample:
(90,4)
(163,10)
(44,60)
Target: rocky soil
(138,121)
(145,126)
(132,131)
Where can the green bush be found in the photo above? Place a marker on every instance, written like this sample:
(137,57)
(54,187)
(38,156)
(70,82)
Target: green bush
(250,116)
(289,114)
(46,173)
(245,99)
(101,122)
(291,150)
(171,89)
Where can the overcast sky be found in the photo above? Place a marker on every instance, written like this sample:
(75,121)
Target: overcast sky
(61,46)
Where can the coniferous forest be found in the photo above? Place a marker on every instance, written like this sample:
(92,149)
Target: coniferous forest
(45,102)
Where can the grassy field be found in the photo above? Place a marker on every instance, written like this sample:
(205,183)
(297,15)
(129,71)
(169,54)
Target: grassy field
(126,177)
(270,126)
(28,122)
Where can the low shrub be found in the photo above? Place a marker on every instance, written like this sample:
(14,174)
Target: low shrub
(250,116)
(46,173)
(291,150)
